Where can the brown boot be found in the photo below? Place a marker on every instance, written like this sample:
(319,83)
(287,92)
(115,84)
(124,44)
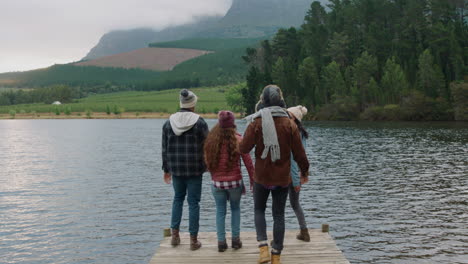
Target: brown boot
(194,243)
(175,241)
(236,243)
(264,255)
(275,259)
(222,246)
(304,235)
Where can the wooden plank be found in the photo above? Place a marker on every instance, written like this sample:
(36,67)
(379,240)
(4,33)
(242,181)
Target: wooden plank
(320,250)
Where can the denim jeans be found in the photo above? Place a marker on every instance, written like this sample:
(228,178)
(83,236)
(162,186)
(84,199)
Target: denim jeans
(280,196)
(221,197)
(190,186)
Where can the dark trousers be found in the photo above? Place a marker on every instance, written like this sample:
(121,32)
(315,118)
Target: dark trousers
(280,196)
(296,206)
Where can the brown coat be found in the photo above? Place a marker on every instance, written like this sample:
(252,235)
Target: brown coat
(275,173)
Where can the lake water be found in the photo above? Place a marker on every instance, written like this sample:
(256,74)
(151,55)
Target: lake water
(91,191)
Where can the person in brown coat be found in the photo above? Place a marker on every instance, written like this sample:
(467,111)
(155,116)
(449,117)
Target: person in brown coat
(275,136)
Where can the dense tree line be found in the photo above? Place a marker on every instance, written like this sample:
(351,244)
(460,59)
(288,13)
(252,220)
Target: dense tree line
(369,59)
(83,76)
(61,93)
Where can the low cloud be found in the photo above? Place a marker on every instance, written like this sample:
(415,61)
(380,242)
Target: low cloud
(39,33)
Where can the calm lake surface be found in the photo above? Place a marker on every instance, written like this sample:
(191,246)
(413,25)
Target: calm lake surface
(91,191)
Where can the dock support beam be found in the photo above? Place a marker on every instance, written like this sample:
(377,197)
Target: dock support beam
(325,228)
(167,232)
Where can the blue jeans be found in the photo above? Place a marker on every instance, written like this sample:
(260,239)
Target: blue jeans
(190,186)
(221,197)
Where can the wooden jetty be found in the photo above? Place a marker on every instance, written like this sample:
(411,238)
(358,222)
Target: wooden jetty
(320,250)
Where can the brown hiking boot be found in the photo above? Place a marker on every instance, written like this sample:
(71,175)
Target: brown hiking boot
(222,246)
(264,255)
(175,241)
(275,259)
(304,235)
(194,243)
(236,243)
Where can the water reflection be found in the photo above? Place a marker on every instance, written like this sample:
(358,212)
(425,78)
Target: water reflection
(90,191)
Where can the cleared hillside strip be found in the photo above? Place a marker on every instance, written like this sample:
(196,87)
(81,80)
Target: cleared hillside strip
(156,59)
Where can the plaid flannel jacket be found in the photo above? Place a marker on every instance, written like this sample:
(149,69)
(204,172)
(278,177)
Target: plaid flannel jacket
(183,155)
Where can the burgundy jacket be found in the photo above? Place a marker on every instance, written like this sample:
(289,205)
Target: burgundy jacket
(223,173)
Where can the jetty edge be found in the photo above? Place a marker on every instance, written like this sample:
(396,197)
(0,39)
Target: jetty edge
(321,249)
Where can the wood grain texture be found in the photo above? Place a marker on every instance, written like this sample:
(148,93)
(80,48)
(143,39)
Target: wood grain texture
(320,250)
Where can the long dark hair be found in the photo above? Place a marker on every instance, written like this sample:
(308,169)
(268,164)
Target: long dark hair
(304,132)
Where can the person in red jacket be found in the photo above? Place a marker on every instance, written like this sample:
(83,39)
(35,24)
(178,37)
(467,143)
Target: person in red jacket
(222,157)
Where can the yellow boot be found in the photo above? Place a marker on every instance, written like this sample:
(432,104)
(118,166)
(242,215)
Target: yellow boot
(275,259)
(264,255)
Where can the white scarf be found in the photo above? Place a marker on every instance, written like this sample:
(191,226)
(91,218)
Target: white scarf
(270,137)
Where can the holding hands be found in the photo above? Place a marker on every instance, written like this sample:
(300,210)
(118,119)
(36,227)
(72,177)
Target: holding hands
(304,178)
(167,178)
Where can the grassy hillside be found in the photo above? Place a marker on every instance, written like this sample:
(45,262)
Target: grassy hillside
(212,44)
(77,76)
(211,99)
(225,66)
(156,59)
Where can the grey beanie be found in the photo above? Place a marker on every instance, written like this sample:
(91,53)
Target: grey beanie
(272,96)
(187,99)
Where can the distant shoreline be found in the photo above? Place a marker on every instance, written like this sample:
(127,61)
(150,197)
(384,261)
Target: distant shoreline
(99,115)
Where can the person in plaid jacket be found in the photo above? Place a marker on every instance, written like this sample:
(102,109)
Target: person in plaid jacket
(183,164)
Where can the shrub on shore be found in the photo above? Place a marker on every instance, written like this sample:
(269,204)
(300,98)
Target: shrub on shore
(342,109)
(414,107)
(67,110)
(381,113)
(460,100)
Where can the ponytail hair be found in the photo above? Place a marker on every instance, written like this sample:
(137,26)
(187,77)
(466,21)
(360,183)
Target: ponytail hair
(304,132)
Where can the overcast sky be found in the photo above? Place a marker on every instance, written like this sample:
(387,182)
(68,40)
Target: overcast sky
(39,33)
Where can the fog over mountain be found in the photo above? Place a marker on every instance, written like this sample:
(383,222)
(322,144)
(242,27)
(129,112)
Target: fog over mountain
(245,18)
(119,41)
(36,34)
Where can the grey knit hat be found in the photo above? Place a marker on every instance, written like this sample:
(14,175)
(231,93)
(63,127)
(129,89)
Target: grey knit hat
(271,96)
(187,99)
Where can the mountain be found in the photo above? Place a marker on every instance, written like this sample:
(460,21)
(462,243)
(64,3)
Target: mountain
(256,18)
(120,41)
(245,19)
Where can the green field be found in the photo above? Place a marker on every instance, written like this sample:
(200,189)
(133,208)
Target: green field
(211,100)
